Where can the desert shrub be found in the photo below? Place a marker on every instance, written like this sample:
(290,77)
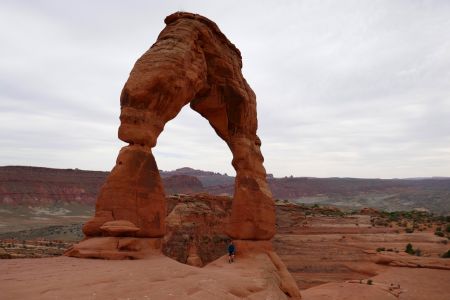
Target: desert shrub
(393,216)
(381,249)
(446,254)
(409,230)
(409,249)
(448,228)
(439,233)
(440,218)
(369,282)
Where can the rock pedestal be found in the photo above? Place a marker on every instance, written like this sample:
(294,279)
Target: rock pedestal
(248,249)
(115,248)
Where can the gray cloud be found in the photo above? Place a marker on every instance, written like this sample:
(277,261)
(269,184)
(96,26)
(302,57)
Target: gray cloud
(348,88)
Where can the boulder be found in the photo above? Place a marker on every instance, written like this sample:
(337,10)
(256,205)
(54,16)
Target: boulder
(118,228)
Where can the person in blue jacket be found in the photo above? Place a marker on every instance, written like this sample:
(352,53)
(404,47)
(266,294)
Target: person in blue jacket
(231,252)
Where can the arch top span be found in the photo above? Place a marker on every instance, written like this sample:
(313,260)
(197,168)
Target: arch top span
(192,62)
(212,26)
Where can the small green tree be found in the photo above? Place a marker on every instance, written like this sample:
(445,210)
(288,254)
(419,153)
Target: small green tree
(446,254)
(409,249)
(439,233)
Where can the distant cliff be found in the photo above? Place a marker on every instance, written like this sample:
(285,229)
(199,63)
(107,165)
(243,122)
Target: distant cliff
(34,185)
(40,186)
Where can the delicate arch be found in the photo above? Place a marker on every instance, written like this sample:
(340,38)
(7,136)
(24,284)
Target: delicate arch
(191,62)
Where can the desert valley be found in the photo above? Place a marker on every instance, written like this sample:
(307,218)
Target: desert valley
(346,252)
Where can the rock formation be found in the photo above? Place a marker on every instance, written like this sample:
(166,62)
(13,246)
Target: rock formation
(191,62)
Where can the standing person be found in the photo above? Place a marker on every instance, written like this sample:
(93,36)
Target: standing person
(231,252)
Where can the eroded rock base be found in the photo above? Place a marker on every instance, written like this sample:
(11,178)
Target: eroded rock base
(116,248)
(246,249)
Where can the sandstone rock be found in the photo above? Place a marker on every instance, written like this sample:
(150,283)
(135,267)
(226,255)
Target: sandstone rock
(191,62)
(246,247)
(115,248)
(198,220)
(157,277)
(133,191)
(118,228)
(4,254)
(369,211)
(92,227)
(287,282)
(193,258)
(182,184)
(411,261)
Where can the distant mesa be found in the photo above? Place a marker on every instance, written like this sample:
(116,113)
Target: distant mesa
(37,186)
(189,184)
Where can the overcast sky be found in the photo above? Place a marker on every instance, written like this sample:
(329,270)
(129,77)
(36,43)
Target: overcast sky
(344,88)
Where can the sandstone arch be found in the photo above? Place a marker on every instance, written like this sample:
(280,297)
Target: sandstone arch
(191,62)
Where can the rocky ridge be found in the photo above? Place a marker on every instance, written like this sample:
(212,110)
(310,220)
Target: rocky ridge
(45,186)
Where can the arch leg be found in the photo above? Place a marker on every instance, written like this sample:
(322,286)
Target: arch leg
(162,81)
(231,111)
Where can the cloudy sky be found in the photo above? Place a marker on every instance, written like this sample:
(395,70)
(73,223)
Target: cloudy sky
(344,88)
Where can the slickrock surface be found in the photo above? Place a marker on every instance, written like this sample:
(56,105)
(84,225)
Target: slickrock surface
(392,284)
(158,277)
(322,245)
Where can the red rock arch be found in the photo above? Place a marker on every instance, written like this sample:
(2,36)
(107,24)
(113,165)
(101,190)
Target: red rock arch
(191,62)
